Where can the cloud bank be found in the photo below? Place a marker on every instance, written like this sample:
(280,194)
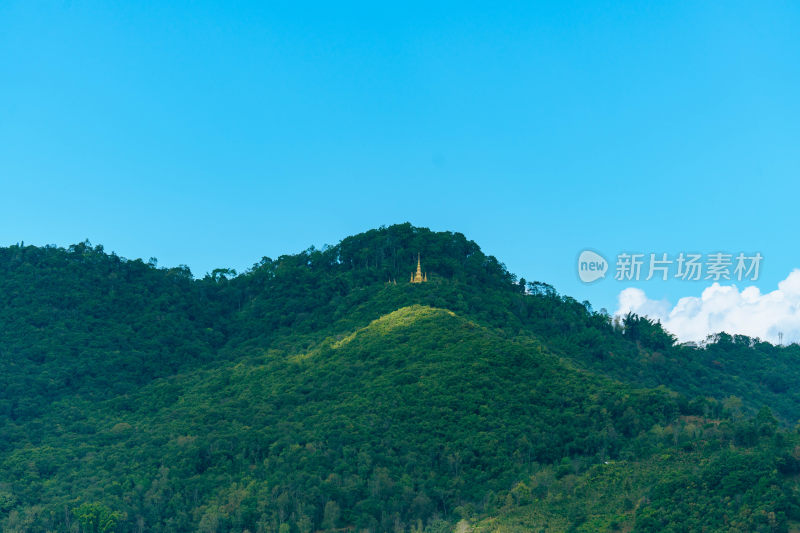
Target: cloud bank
(725,308)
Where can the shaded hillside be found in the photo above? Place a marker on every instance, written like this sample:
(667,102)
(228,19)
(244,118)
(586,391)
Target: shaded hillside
(80,321)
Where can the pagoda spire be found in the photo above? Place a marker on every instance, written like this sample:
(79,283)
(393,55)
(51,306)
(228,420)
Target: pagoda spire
(419,277)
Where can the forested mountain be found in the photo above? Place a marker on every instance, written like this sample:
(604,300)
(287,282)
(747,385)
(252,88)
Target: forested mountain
(322,391)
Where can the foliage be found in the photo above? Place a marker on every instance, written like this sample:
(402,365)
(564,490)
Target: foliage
(313,393)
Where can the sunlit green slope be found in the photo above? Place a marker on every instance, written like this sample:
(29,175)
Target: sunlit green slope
(417,415)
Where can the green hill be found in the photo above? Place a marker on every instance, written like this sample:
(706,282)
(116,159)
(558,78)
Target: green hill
(311,393)
(417,414)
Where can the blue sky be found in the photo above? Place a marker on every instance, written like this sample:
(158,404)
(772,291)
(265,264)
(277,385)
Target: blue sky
(213,134)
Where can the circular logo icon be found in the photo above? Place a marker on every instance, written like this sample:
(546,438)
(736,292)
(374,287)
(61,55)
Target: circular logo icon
(591,266)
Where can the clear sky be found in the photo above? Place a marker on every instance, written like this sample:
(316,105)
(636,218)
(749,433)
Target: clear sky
(213,134)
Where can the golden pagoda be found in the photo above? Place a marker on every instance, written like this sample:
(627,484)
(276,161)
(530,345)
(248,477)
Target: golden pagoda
(419,277)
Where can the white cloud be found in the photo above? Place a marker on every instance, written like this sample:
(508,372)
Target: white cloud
(725,308)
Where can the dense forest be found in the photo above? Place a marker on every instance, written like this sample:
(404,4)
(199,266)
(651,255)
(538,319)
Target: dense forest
(322,391)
